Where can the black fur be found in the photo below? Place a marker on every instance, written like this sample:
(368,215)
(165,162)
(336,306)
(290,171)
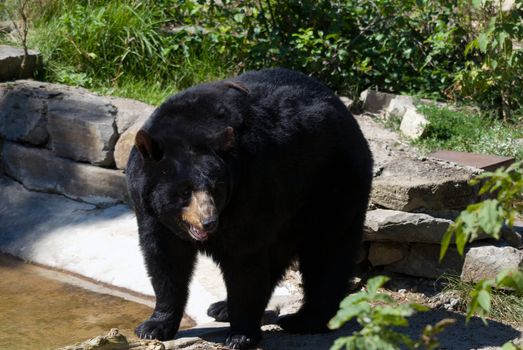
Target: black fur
(291,180)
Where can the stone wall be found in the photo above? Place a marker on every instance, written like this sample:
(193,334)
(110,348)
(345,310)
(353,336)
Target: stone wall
(69,141)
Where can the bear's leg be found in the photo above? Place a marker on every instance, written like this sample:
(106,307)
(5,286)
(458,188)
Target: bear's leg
(219,310)
(247,279)
(326,265)
(169,262)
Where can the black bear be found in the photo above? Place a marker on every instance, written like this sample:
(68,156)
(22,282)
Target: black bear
(257,172)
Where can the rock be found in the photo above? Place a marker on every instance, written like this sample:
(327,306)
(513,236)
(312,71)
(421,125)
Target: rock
(399,105)
(129,111)
(375,101)
(422,260)
(399,226)
(126,142)
(486,261)
(413,124)
(23,114)
(83,128)
(6,26)
(408,184)
(347,102)
(11,63)
(386,253)
(115,340)
(40,170)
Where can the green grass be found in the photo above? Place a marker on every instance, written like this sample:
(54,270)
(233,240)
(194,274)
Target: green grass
(118,48)
(468,131)
(506,306)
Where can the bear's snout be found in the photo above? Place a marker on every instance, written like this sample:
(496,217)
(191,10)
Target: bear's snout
(200,215)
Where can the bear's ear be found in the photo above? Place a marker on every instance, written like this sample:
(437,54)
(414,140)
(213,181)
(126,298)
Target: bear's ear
(225,140)
(147,146)
(237,85)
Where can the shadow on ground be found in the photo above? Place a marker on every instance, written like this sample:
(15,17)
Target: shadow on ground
(475,335)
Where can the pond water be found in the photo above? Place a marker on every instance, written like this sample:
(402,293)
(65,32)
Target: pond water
(38,312)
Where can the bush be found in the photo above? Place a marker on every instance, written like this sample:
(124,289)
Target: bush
(456,49)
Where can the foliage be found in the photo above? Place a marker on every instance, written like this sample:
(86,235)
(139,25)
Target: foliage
(440,48)
(506,185)
(377,313)
(494,57)
(488,216)
(120,47)
(481,295)
(468,130)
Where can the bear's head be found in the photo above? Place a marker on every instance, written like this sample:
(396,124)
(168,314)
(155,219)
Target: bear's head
(186,151)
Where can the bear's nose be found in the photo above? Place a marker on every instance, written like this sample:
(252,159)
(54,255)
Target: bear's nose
(210,224)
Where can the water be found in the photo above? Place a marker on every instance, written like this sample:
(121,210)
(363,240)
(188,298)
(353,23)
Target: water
(38,312)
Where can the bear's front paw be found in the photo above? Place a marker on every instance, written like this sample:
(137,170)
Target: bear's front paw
(241,341)
(219,311)
(154,329)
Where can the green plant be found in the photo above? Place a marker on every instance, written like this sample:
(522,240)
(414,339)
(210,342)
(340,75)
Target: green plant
(488,217)
(443,49)
(494,60)
(378,315)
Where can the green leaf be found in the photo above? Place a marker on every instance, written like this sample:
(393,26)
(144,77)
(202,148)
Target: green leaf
(376,282)
(445,241)
(484,300)
(470,46)
(510,278)
(483,42)
(340,343)
(509,346)
(490,217)
(477,3)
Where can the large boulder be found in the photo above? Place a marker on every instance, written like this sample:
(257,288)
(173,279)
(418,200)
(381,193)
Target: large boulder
(11,59)
(381,253)
(399,226)
(413,184)
(422,260)
(486,261)
(83,128)
(126,142)
(399,105)
(413,124)
(23,114)
(40,170)
(376,101)
(129,112)
(73,122)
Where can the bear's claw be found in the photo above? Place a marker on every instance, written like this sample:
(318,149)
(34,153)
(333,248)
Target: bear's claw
(240,341)
(153,329)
